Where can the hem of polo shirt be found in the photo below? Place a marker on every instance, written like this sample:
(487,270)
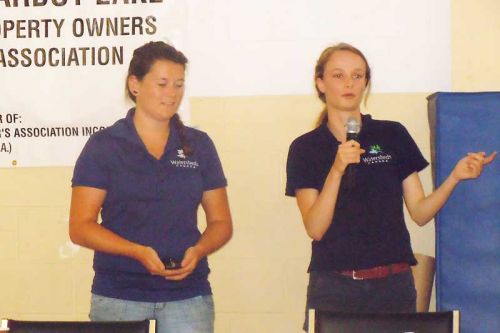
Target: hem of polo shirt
(417,169)
(293,194)
(216,186)
(153,296)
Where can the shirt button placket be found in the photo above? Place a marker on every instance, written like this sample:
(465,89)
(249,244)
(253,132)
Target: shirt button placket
(160,183)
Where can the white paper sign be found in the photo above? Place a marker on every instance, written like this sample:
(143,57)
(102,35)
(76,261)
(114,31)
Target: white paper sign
(63,66)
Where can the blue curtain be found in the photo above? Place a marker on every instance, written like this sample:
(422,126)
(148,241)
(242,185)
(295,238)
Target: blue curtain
(468,227)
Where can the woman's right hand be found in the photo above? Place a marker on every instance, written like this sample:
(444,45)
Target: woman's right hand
(348,153)
(318,207)
(149,258)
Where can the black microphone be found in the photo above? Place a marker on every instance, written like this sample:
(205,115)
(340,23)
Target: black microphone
(353,127)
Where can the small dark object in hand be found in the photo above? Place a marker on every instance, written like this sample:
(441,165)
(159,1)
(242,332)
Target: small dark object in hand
(171,263)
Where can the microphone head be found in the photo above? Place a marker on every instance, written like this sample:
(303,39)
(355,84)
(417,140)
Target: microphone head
(353,127)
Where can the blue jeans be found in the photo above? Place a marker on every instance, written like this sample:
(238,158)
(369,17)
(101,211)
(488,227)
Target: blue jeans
(192,315)
(331,291)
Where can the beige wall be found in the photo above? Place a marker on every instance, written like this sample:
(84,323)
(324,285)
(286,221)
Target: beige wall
(475,45)
(259,279)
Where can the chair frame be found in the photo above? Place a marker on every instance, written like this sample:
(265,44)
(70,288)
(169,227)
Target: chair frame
(4,323)
(312,321)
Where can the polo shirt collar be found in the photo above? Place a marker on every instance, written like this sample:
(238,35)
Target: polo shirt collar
(325,133)
(125,129)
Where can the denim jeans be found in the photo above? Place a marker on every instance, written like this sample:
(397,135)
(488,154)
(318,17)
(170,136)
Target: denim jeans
(331,291)
(193,315)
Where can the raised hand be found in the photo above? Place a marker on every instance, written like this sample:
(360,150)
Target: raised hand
(471,166)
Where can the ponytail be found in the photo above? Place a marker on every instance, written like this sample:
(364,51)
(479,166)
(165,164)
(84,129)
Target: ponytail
(322,118)
(181,129)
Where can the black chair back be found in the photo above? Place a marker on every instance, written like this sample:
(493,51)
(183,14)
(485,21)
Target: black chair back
(22,326)
(425,322)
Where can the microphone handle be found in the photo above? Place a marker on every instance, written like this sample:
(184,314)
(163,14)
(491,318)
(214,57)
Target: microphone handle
(350,172)
(350,176)
(352,136)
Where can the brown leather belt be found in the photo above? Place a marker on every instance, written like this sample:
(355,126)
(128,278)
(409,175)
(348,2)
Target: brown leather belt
(378,272)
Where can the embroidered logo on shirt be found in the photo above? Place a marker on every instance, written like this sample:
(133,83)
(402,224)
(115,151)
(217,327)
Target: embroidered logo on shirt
(183,163)
(377,155)
(375,149)
(180,153)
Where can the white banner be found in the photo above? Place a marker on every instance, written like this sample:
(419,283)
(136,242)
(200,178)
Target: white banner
(63,62)
(63,66)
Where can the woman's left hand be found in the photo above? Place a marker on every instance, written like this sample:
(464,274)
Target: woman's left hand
(188,265)
(471,166)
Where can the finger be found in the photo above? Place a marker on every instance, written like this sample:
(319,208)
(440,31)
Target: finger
(156,268)
(187,261)
(157,272)
(190,258)
(152,261)
(170,276)
(490,158)
(348,144)
(356,149)
(176,271)
(475,160)
(352,143)
(177,277)
(477,156)
(475,168)
(177,274)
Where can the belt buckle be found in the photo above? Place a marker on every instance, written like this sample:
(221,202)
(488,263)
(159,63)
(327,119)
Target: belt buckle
(354,277)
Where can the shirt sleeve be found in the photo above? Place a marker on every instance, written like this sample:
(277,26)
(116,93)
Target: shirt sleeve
(412,159)
(298,171)
(90,168)
(212,172)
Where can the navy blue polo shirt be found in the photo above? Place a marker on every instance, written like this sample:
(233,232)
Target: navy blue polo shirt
(368,227)
(151,202)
